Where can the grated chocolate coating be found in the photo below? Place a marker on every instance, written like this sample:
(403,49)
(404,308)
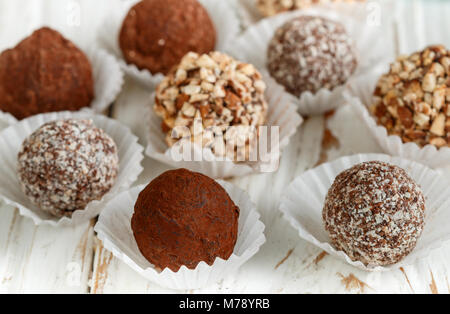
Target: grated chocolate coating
(44,73)
(183,218)
(156,34)
(66,164)
(374,212)
(310,53)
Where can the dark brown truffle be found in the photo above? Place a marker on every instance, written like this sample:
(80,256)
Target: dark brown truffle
(156,34)
(375,213)
(44,73)
(309,53)
(183,218)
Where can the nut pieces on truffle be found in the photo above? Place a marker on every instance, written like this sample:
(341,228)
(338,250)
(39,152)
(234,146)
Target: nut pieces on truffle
(412,100)
(214,100)
(66,164)
(272,7)
(374,212)
(44,73)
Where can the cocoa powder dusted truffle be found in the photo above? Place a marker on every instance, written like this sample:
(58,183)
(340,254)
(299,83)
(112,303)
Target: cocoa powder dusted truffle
(44,73)
(214,100)
(66,164)
(272,7)
(374,212)
(309,53)
(412,100)
(182,218)
(156,34)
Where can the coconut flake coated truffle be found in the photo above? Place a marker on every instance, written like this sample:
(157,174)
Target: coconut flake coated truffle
(156,34)
(374,212)
(214,100)
(310,53)
(66,164)
(183,218)
(44,73)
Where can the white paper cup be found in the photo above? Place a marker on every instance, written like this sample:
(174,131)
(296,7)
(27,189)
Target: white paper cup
(252,46)
(303,201)
(221,12)
(360,97)
(108,81)
(282,113)
(6,120)
(114,230)
(11,139)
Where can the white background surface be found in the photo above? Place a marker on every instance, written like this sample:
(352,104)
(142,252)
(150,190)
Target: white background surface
(63,260)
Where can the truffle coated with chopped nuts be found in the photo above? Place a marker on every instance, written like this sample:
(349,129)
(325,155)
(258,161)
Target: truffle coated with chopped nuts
(272,7)
(214,101)
(309,53)
(44,73)
(156,34)
(412,100)
(183,218)
(66,164)
(374,212)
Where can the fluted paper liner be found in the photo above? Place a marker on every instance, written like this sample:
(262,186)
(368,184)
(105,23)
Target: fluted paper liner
(282,112)
(221,12)
(6,120)
(114,230)
(11,139)
(360,97)
(252,46)
(303,201)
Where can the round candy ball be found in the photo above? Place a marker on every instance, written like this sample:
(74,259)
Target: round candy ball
(156,34)
(374,212)
(44,73)
(309,53)
(215,101)
(182,218)
(66,164)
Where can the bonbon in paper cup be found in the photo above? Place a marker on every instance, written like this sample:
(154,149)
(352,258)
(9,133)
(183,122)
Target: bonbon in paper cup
(11,139)
(114,230)
(282,113)
(303,201)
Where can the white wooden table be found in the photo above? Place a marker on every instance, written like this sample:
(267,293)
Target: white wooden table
(71,260)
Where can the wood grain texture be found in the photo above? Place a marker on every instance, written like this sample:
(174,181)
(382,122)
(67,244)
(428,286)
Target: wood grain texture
(42,259)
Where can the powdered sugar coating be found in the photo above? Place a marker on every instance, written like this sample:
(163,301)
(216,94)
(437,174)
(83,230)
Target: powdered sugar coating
(374,212)
(66,164)
(309,53)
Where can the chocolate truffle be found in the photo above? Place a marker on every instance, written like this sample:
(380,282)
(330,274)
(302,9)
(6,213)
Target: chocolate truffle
(215,101)
(44,73)
(66,164)
(309,53)
(182,218)
(156,34)
(374,212)
(412,100)
(272,7)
